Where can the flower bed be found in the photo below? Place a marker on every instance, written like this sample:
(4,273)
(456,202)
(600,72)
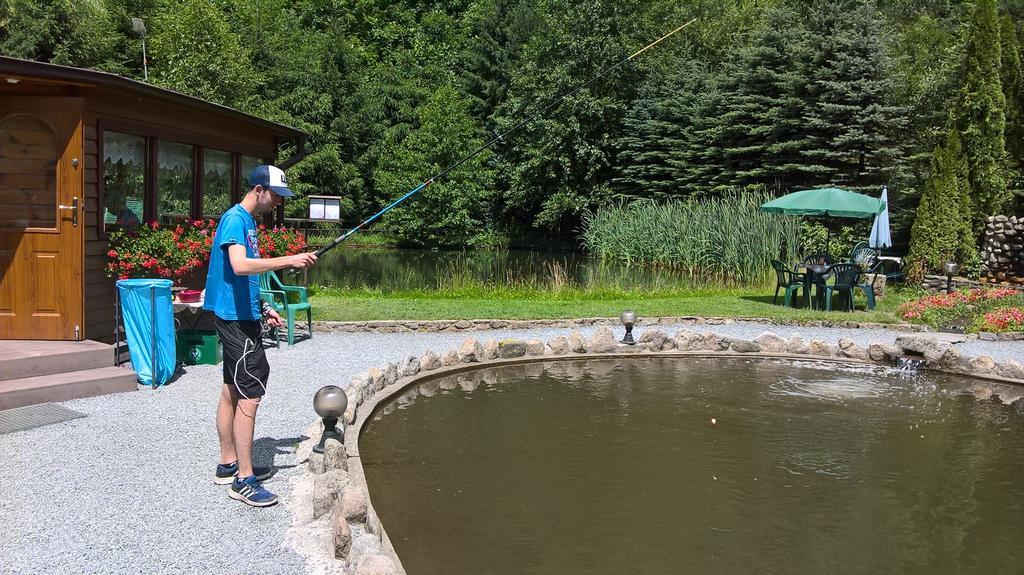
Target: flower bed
(155,251)
(975,310)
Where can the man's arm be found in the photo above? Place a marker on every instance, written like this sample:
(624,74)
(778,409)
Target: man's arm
(243,265)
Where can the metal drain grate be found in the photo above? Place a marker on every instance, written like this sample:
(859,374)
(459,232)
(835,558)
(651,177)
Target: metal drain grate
(22,418)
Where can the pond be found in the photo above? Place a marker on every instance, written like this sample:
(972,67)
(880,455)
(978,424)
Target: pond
(408,269)
(614,466)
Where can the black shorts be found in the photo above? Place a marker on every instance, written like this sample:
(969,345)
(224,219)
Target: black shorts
(245,363)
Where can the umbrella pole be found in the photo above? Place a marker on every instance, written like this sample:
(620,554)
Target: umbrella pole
(828,234)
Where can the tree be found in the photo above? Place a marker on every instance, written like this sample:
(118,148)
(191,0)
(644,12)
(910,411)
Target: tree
(982,118)
(942,229)
(856,129)
(195,52)
(451,211)
(1013,92)
(70,32)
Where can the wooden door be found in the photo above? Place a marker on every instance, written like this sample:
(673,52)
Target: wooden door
(41,218)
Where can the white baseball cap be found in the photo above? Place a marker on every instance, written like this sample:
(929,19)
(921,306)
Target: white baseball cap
(270,177)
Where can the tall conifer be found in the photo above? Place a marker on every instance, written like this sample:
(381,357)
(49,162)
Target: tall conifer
(982,118)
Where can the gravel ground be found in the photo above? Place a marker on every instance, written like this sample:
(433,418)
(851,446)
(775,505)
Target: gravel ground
(128,489)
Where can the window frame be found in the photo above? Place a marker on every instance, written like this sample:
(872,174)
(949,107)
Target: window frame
(152,135)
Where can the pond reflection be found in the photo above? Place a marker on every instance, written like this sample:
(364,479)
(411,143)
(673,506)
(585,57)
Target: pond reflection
(612,466)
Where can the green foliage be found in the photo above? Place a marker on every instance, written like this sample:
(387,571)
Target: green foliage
(194,51)
(815,238)
(775,94)
(982,119)
(449,212)
(942,229)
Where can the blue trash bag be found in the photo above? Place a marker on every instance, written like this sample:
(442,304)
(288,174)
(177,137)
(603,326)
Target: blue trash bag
(149,326)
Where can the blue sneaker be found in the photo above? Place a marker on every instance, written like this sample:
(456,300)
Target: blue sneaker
(225,474)
(251,492)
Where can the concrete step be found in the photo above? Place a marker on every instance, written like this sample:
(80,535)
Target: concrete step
(21,359)
(65,386)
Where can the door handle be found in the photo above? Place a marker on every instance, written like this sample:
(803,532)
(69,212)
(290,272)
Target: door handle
(74,210)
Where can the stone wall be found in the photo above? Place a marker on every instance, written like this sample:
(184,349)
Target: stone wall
(1002,253)
(935,284)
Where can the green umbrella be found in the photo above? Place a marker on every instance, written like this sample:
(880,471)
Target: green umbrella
(826,202)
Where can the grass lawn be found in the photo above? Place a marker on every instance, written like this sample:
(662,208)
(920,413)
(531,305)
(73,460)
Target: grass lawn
(333,304)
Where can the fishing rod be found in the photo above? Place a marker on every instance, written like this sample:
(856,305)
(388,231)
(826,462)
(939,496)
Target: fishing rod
(334,243)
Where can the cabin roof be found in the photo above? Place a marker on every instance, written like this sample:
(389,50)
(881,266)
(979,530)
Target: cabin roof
(18,69)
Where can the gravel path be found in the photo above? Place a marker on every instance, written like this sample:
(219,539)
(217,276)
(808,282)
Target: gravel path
(128,489)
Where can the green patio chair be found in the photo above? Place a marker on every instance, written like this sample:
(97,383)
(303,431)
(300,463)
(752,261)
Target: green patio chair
(277,295)
(846,279)
(791,281)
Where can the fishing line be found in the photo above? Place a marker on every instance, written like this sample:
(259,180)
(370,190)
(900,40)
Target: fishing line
(334,243)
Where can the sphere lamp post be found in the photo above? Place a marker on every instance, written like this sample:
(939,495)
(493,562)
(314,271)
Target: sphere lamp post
(330,403)
(628,318)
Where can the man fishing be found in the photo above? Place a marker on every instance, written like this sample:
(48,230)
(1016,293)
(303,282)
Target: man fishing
(233,295)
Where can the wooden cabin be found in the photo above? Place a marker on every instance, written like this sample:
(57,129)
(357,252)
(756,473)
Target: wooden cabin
(83,154)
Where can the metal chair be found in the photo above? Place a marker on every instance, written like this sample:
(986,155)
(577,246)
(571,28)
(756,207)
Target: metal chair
(277,295)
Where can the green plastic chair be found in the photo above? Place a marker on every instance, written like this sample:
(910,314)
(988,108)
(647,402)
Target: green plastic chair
(790,280)
(277,295)
(846,280)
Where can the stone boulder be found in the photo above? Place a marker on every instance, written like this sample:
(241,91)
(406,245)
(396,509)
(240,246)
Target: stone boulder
(509,348)
(577,343)
(391,373)
(1010,369)
(410,366)
(770,342)
(534,347)
(342,536)
(797,346)
(687,340)
(326,487)
(429,361)
(490,349)
(352,504)
(820,348)
(652,339)
(744,346)
(559,345)
(376,565)
(884,353)
(603,341)
(450,358)
(712,341)
(471,351)
(849,348)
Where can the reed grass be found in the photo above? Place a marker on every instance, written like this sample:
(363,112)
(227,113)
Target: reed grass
(726,240)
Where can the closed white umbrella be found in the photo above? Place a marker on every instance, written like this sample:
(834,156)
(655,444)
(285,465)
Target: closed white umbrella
(880,237)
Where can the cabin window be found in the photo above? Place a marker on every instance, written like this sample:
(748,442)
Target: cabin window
(175,181)
(124,169)
(247,164)
(216,183)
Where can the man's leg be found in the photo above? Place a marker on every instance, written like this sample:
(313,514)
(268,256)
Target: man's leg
(244,428)
(225,424)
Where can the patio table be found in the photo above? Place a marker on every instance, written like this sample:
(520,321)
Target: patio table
(814,276)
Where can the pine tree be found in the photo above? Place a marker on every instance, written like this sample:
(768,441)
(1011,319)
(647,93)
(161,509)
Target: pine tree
(658,148)
(941,231)
(856,129)
(982,118)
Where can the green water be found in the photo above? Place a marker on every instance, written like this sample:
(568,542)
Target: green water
(613,466)
(405,269)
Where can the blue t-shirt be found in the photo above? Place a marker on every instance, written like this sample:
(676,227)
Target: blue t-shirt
(231,296)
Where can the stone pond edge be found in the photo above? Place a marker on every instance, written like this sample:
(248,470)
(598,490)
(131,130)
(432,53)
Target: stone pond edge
(332,509)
